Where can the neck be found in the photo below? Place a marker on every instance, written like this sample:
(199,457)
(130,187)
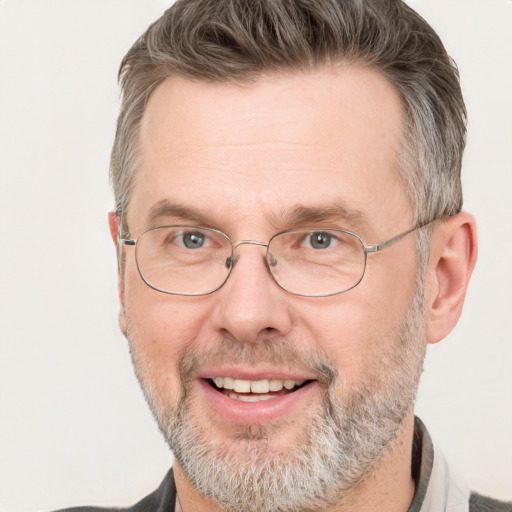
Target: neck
(389,487)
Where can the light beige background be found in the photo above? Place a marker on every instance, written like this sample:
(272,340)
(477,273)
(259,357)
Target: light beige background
(74,428)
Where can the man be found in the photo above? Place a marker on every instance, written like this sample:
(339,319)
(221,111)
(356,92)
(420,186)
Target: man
(290,237)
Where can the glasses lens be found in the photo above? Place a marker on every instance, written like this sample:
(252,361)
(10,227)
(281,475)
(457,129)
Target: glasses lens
(183,260)
(316,263)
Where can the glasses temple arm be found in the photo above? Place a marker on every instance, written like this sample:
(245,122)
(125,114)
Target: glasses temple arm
(395,239)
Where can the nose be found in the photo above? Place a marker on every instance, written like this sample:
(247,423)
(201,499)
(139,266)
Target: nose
(251,306)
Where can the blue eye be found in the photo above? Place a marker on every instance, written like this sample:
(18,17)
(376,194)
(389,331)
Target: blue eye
(320,240)
(193,240)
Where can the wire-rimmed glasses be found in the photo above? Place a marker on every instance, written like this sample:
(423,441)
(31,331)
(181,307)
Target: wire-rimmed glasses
(310,262)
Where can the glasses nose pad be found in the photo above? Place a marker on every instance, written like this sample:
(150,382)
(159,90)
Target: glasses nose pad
(229,262)
(272,262)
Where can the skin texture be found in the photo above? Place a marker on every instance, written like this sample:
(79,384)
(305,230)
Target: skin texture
(241,159)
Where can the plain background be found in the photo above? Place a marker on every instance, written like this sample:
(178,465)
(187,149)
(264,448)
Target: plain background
(74,428)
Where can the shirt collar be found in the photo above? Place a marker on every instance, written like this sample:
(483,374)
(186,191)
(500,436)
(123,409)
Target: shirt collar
(437,489)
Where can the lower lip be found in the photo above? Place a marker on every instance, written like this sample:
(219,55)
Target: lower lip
(249,413)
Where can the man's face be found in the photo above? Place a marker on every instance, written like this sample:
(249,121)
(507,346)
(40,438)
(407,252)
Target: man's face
(305,150)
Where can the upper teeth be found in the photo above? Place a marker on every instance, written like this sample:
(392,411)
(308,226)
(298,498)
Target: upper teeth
(255,386)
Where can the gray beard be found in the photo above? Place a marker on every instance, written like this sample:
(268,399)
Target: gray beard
(341,440)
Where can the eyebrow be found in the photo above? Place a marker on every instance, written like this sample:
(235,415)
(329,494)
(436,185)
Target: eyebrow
(297,215)
(165,208)
(336,212)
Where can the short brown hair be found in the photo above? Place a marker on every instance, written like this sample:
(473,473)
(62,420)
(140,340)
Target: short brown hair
(241,40)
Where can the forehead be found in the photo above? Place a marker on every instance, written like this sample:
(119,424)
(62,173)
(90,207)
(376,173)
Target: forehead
(312,139)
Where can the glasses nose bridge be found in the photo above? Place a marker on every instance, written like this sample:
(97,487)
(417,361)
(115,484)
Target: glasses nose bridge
(250,242)
(238,243)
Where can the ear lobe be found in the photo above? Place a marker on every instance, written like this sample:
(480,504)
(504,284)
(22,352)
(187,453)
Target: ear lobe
(113,223)
(453,252)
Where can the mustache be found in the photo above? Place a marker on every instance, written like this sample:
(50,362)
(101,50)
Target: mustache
(277,352)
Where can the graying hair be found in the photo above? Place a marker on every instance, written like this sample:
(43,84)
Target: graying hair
(238,41)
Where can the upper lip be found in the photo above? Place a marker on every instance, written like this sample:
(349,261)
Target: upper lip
(254,374)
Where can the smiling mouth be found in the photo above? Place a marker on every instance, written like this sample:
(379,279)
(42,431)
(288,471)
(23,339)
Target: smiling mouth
(255,390)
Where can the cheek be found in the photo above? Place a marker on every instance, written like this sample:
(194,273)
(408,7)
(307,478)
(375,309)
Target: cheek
(353,328)
(160,327)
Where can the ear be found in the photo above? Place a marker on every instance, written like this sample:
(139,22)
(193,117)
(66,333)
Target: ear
(113,223)
(453,251)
